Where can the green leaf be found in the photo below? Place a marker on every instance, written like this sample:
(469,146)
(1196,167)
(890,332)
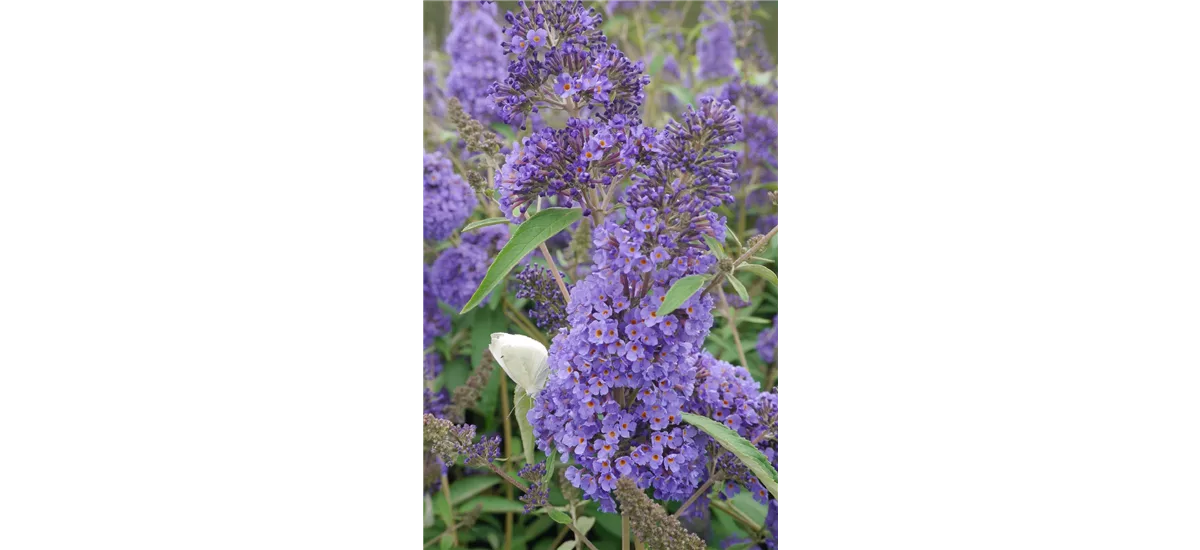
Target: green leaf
(531,233)
(714,246)
(742,449)
(567,545)
(560,517)
(729,232)
(455,373)
(679,293)
(745,503)
(682,94)
(739,288)
(484,323)
(468,487)
(446,542)
(523,403)
(755,320)
(504,130)
(492,504)
(762,271)
(483,223)
(585,524)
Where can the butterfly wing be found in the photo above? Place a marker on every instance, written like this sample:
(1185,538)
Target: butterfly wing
(541,374)
(521,357)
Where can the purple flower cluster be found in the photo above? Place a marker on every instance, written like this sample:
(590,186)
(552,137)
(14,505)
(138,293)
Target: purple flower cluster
(457,272)
(475,61)
(436,322)
(538,494)
(768,341)
(715,50)
(448,199)
(619,379)
(570,164)
(482,452)
(548,310)
(561,59)
(728,394)
(690,173)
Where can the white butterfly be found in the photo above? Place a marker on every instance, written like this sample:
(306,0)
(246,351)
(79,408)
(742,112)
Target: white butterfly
(523,358)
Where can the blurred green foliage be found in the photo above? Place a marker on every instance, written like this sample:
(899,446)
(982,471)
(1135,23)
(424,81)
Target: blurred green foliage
(437,19)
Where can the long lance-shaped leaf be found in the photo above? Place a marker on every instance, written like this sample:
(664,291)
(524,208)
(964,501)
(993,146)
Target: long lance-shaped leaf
(739,288)
(762,271)
(523,403)
(679,293)
(528,236)
(742,449)
(483,223)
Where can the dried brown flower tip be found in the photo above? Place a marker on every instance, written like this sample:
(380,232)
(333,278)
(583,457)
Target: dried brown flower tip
(479,139)
(466,395)
(650,522)
(468,519)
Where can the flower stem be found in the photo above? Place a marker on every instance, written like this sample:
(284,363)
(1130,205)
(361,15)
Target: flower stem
(505,475)
(554,270)
(517,316)
(732,316)
(696,495)
(624,532)
(449,510)
(508,518)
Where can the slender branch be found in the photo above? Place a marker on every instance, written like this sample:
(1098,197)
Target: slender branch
(579,537)
(742,259)
(449,510)
(624,532)
(695,495)
(496,470)
(737,339)
(554,270)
